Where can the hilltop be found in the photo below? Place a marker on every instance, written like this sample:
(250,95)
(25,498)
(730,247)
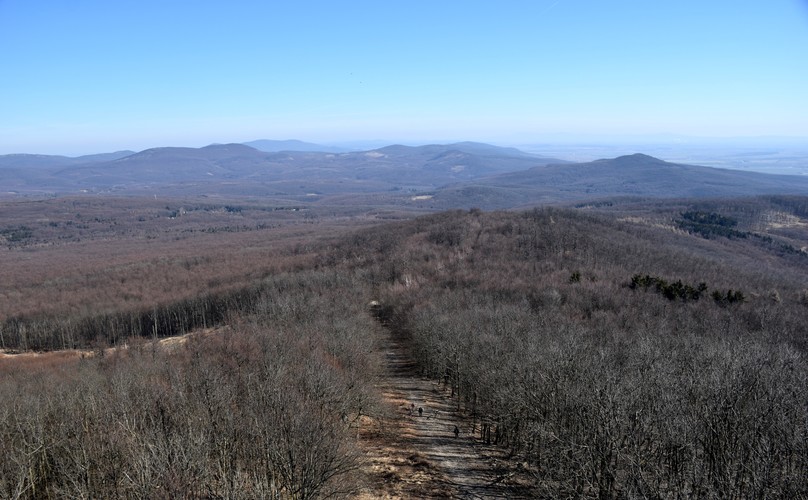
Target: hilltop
(636,175)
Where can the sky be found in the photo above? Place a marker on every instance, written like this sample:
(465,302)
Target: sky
(88,76)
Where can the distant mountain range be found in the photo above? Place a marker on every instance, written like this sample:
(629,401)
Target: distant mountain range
(49,161)
(238,169)
(438,176)
(271,146)
(636,175)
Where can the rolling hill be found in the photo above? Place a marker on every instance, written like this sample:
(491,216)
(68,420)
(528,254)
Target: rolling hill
(631,175)
(238,169)
(33,173)
(430,177)
(50,161)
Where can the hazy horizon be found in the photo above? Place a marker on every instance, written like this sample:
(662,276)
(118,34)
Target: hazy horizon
(770,155)
(90,76)
(550,141)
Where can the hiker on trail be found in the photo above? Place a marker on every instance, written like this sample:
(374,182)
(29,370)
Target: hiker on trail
(420,412)
(456,431)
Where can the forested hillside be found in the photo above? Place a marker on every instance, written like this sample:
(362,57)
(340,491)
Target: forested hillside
(606,389)
(613,355)
(264,408)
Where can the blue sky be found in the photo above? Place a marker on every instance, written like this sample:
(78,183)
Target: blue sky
(85,76)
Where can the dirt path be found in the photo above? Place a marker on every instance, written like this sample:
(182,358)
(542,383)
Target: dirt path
(414,454)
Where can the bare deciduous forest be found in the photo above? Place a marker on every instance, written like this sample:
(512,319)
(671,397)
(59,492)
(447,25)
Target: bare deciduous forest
(625,349)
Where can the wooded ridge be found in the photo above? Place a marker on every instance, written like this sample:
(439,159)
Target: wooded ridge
(614,353)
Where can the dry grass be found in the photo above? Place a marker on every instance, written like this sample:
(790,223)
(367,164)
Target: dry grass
(29,362)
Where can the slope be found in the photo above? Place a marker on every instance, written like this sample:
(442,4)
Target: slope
(237,169)
(632,175)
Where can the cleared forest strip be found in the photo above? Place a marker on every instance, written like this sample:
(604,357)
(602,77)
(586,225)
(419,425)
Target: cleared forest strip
(31,360)
(416,454)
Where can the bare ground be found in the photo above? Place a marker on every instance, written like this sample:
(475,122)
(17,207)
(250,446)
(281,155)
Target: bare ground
(416,455)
